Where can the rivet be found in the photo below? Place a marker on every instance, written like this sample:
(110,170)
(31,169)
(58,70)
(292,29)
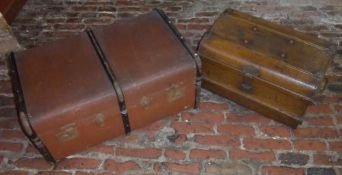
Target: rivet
(283,55)
(291,41)
(255,28)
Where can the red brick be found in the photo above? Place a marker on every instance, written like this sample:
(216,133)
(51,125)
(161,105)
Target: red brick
(274,170)
(316,132)
(175,154)
(173,8)
(5,87)
(206,14)
(14,172)
(198,27)
(133,9)
(248,118)
(103,3)
(180,139)
(130,138)
(79,163)
(207,154)
(237,130)
(31,149)
(12,135)
(106,9)
(336,146)
(192,127)
(149,153)
(106,173)
(69,26)
(84,8)
(332,99)
(99,21)
(157,166)
(338,108)
(8,123)
(218,140)
(7,111)
(322,159)
(273,131)
(53,173)
(339,120)
(253,143)
(102,149)
(125,2)
(113,165)
(193,168)
(204,117)
(196,21)
(319,109)
(310,145)
(155,126)
(33,163)
(320,121)
(213,106)
(247,155)
(14,147)
(181,26)
(7,101)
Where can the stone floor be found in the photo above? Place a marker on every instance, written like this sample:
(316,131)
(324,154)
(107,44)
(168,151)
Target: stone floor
(219,138)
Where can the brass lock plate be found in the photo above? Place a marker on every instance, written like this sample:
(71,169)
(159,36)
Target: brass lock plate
(67,133)
(250,70)
(174,92)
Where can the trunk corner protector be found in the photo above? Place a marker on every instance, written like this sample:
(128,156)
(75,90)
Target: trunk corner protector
(195,56)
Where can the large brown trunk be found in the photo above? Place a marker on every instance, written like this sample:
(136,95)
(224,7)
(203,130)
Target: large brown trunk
(78,92)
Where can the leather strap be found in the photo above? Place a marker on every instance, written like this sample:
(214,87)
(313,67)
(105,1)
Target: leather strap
(113,79)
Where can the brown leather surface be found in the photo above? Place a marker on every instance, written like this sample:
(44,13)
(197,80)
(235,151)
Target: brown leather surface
(149,61)
(68,92)
(269,68)
(64,83)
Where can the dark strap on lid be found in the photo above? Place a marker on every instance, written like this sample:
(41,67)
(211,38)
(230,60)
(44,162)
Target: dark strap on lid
(113,79)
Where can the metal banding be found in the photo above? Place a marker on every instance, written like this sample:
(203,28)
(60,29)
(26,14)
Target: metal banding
(22,113)
(195,56)
(113,79)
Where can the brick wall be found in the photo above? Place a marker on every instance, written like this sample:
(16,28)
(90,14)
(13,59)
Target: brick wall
(221,137)
(7,43)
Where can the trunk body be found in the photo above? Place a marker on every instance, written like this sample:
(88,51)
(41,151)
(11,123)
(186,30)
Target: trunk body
(269,68)
(78,92)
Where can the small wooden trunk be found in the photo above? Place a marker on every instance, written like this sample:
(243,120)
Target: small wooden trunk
(78,92)
(266,67)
